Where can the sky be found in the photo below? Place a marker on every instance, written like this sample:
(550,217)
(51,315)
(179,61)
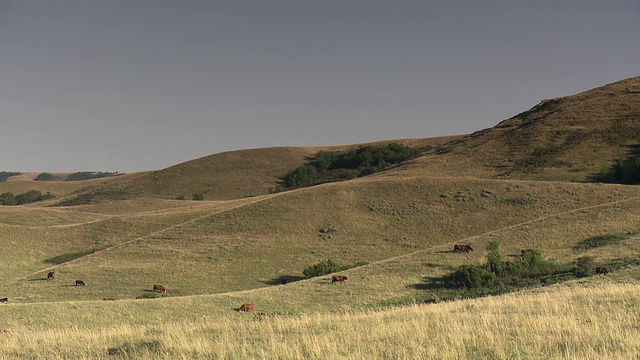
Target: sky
(136,85)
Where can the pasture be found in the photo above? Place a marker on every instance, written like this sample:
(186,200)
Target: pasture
(214,256)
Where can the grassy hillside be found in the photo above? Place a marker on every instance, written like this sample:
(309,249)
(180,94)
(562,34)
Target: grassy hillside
(123,234)
(568,138)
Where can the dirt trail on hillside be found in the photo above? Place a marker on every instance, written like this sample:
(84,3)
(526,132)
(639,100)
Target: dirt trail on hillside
(139,238)
(272,196)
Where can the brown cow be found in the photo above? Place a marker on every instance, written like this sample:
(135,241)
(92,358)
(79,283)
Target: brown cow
(338,278)
(159,288)
(462,248)
(601,271)
(51,275)
(247,307)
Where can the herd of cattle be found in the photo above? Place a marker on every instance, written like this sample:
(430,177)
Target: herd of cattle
(457,248)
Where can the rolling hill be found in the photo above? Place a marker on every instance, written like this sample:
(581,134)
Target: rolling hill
(508,184)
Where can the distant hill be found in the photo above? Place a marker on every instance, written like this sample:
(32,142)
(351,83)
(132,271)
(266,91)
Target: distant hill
(562,139)
(223,176)
(567,138)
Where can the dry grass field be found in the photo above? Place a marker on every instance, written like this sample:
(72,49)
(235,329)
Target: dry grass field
(121,235)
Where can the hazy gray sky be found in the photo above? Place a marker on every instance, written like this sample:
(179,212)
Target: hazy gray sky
(132,85)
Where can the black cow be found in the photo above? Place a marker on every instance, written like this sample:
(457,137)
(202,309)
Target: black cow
(4,300)
(79,283)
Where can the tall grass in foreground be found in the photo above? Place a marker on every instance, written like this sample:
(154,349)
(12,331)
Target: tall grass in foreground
(560,322)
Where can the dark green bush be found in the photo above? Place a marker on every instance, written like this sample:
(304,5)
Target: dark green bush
(470,276)
(322,268)
(328,267)
(197,196)
(584,265)
(8,199)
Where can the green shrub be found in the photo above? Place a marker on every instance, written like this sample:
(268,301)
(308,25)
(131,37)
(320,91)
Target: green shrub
(584,265)
(197,197)
(328,267)
(469,277)
(322,268)
(181,197)
(8,199)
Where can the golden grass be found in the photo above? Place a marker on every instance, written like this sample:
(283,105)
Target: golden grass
(591,319)
(236,246)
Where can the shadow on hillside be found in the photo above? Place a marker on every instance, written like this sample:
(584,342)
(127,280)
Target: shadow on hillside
(283,280)
(57,260)
(428,283)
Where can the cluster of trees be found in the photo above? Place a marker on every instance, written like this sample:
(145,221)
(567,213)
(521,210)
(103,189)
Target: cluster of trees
(622,172)
(364,160)
(4,175)
(625,171)
(45,176)
(30,196)
(528,269)
(88,175)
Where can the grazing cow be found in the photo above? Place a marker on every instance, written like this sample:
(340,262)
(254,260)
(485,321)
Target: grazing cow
(462,248)
(51,275)
(108,299)
(431,301)
(159,288)
(4,300)
(338,278)
(601,271)
(79,283)
(247,307)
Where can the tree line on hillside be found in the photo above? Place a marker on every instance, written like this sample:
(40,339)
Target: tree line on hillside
(625,171)
(30,196)
(88,175)
(4,175)
(327,166)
